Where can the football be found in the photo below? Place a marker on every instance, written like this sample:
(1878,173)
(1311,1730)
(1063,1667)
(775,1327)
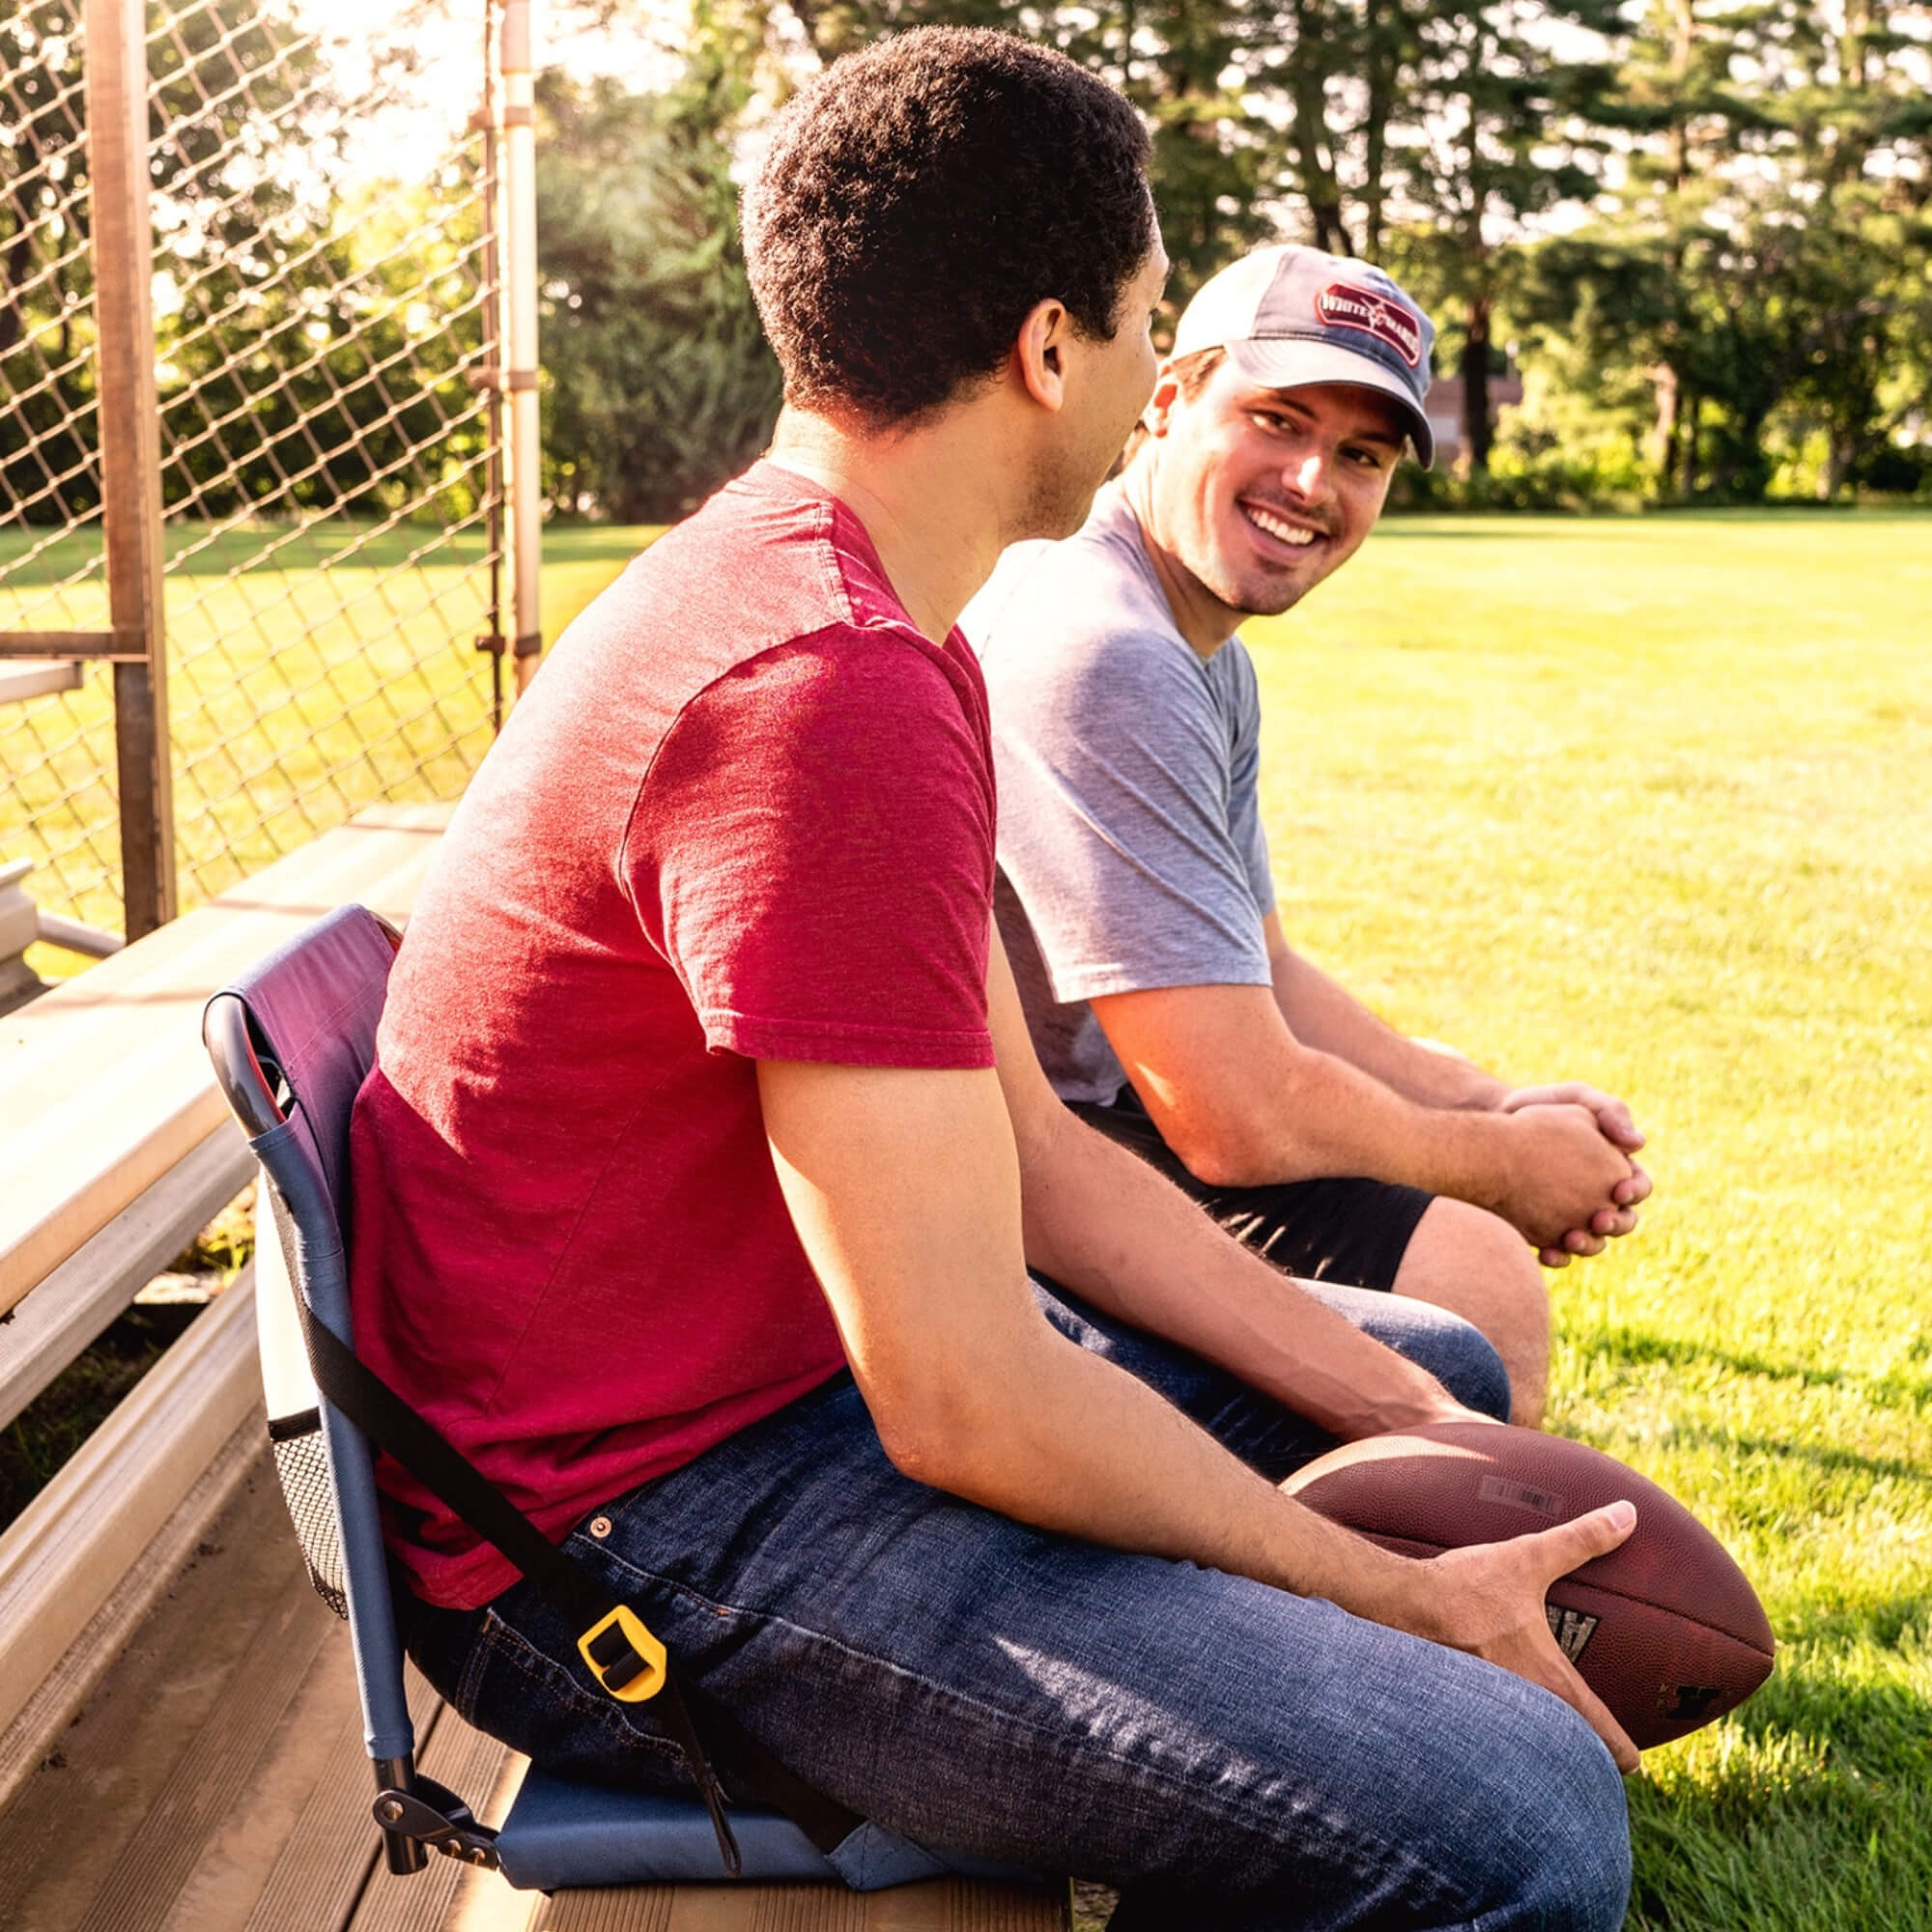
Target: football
(1666,1628)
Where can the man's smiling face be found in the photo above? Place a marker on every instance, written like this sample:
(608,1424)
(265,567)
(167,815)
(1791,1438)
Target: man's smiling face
(1258,494)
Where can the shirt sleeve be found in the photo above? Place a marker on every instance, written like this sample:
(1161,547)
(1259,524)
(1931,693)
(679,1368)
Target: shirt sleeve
(812,852)
(1117,825)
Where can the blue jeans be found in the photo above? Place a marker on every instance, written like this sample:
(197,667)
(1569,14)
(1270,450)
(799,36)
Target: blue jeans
(1226,1754)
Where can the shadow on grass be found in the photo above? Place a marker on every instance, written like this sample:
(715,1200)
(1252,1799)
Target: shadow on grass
(1871,1730)
(1817,1456)
(1619,1347)
(1815,1811)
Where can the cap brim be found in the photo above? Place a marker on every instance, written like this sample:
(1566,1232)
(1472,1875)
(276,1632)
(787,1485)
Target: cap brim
(1282,362)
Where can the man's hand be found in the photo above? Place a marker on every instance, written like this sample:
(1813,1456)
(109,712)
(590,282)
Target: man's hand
(1561,1174)
(1614,1123)
(1614,1117)
(1488,1600)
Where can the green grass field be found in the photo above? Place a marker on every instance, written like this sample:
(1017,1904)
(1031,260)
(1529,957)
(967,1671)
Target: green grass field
(1648,803)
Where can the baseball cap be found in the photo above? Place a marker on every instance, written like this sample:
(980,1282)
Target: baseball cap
(1289,316)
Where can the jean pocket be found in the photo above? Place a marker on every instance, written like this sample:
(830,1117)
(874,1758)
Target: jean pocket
(514,1690)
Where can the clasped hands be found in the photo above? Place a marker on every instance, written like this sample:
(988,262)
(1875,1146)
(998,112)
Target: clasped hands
(1625,1193)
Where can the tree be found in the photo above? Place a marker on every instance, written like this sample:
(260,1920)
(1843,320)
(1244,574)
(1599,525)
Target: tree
(659,383)
(1738,281)
(1776,182)
(1499,130)
(45,472)
(246,390)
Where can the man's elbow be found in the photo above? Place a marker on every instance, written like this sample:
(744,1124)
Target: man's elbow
(949,1433)
(1224,1149)
(930,1434)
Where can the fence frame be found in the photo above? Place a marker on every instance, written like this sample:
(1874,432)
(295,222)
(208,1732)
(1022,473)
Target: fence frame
(121,248)
(519,230)
(130,453)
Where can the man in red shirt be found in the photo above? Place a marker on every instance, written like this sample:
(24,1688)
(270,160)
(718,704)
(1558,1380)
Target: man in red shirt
(706,1157)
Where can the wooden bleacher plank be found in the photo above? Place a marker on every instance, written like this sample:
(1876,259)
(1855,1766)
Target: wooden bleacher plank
(67,1553)
(33,677)
(946,1905)
(63,1836)
(213,1777)
(243,1842)
(632,1909)
(1002,1908)
(46,1715)
(486,1901)
(331,1847)
(106,1081)
(53,1323)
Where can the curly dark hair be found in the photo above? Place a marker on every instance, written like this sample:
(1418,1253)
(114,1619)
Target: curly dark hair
(919,198)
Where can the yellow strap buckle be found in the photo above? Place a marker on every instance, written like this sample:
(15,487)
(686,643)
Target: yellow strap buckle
(624,1657)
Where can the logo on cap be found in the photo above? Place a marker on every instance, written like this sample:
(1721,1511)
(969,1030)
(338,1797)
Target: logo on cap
(1342,305)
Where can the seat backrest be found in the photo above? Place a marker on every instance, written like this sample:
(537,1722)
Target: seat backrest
(315,1004)
(292,1041)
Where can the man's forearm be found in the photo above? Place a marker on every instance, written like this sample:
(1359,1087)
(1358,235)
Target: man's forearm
(1063,1440)
(906,1188)
(1327,1018)
(1175,1274)
(1070,1443)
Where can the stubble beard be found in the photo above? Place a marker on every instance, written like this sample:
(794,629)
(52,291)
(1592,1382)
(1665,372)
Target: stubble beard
(1253,593)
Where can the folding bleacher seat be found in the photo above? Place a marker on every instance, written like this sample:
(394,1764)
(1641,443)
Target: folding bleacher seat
(291,1042)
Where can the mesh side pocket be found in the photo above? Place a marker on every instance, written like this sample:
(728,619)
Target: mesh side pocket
(302,1464)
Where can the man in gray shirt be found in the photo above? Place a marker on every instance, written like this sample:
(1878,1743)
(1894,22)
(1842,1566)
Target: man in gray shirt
(1135,897)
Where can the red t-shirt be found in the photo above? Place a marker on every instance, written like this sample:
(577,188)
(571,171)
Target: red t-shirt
(746,811)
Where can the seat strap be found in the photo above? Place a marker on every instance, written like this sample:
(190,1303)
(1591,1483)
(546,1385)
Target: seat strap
(609,1646)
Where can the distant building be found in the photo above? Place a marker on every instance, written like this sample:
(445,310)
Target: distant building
(1443,407)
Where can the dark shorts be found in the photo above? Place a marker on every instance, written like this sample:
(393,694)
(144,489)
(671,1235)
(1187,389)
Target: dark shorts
(1349,1231)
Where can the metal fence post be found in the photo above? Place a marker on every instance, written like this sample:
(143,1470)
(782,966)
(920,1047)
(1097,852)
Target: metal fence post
(131,450)
(520,280)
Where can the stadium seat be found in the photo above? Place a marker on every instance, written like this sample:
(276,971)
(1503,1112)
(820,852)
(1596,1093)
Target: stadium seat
(291,1042)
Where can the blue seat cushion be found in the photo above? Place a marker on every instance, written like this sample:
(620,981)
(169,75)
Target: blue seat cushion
(561,1833)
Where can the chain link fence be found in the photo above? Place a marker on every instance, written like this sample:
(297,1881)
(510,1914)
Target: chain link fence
(324,306)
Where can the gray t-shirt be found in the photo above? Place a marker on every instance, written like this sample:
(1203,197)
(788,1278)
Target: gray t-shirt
(1131,843)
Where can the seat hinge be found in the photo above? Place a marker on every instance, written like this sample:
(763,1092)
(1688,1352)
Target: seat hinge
(434,1816)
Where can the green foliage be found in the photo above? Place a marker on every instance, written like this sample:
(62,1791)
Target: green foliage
(308,359)
(658,383)
(1754,299)
(43,266)
(1701,232)
(1742,303)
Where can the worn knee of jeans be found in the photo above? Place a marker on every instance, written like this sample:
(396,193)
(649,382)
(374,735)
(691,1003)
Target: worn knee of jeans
(1583,1881)
(1462,1359)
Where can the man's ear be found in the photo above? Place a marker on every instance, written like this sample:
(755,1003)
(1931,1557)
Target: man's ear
(1160,405)
(1039,352)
